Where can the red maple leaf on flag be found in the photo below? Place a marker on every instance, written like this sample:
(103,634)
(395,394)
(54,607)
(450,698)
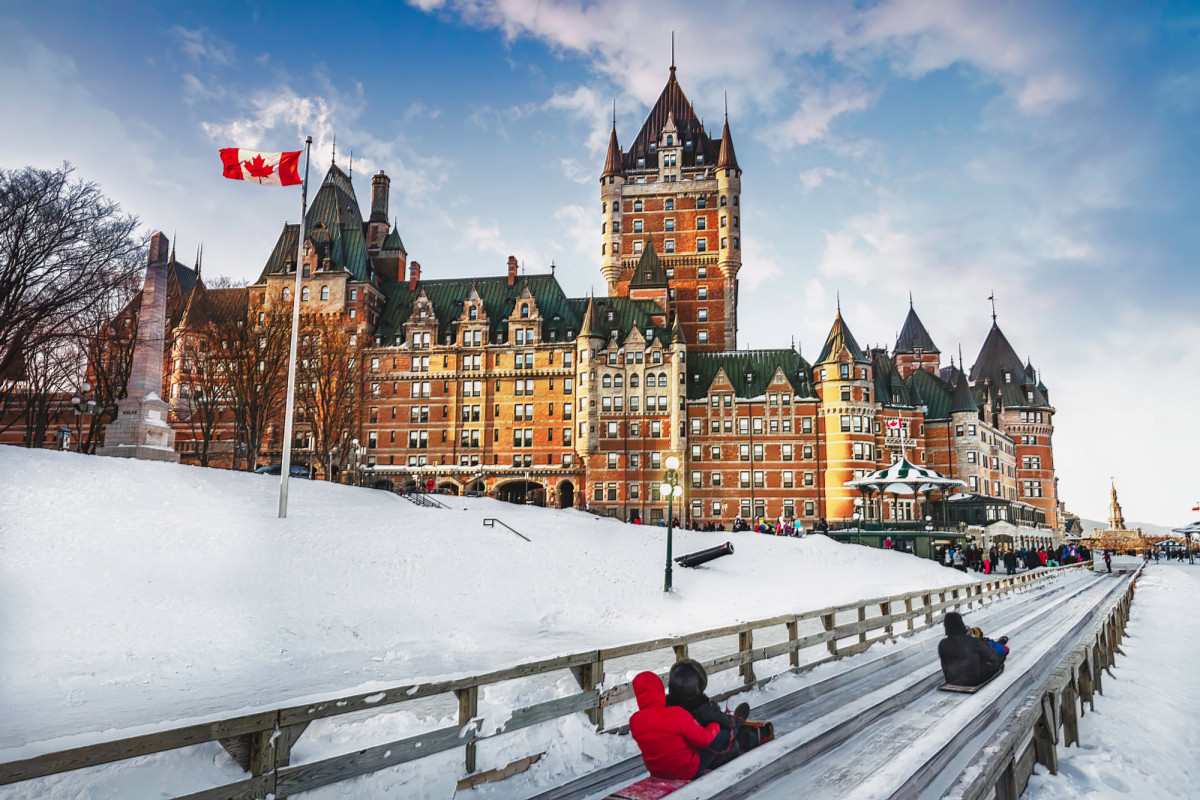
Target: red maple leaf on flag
(258,168)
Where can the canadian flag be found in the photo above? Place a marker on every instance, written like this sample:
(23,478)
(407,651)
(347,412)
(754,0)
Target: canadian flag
(893,424)
(267,169)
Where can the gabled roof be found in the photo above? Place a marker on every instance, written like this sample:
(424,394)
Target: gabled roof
(649,272)
(671,103)
(890,388)
(914,335)
(623,314)
(205,306)
(840,337)
(750,371)
(558,314)
(727,158)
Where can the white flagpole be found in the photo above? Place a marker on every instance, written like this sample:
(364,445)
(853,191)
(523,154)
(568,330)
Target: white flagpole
(286,468)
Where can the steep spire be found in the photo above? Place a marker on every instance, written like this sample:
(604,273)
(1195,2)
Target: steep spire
(649,271)
(588,326)
(612,162)
(961,398)
(677,331)
(913,334)
(840,338)
(727,159)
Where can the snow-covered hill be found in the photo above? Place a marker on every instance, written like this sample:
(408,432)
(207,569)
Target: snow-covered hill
(136,592)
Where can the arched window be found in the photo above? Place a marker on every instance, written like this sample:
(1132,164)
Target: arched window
(524,310)
(618,381)
(472,313)
(304,294)
(606,382)
(324,292)
(287,294)
(670,140)
(634,381)
(662,379)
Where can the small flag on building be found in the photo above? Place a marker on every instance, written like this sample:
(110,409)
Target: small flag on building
(267,169)
(893,424)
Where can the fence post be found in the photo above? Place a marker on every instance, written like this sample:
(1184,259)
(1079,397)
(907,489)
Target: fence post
(862,617)
(1043,738)
(589,676)
(745,645)
(886,610)
(827,623)
(908,611)
(927,599)
(793,630)
(468,708)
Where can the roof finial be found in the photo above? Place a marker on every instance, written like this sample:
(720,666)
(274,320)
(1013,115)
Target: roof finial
(351,173)
(672,51)
(992,297)
(961,363)
(333,159)
(910,298)
(614,113)
(200,261)
(727,105)
(839,302)
(173,232)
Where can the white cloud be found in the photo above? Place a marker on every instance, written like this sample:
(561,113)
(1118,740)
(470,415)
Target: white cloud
(760,263)
(201,44)
(816,112)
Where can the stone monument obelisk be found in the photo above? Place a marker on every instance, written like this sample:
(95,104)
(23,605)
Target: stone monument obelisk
(141,429)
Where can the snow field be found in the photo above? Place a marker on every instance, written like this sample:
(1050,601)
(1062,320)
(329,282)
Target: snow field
(139,594)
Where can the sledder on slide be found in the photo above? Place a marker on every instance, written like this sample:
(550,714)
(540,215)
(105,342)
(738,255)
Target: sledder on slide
(969,660)
(684,734)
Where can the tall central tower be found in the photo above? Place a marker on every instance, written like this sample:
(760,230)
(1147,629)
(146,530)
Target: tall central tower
(678,192)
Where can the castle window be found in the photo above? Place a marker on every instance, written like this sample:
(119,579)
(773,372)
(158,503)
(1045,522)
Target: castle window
(637,226)
(641,162)
(735,198)
(604,208)
(700,160)
(287,295)
(724,242)
(702,292)
(722,201)
(324,292)
(637,205)
(304,294)
(524,310)
(670,140)
(354,294)
(701,245)
(702,202)
(472,313)
(735,243)
(610,316)
(669,205)
(702,337)
(702,315)
(701,223)
(702,273)
(669,246)
(637,247)
(670,223)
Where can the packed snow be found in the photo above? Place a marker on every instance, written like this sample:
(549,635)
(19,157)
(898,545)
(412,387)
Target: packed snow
(140,596)
(1143,740)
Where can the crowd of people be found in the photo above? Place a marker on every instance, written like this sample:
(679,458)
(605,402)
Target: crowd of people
(976,559)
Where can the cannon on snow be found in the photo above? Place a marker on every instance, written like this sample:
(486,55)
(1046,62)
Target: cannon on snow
(704,556)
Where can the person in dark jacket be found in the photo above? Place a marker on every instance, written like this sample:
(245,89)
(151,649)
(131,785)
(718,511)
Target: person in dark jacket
(966,660)
(671,741)
(686,684)
(1010,562)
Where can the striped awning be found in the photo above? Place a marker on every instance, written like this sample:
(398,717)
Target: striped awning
(904,478)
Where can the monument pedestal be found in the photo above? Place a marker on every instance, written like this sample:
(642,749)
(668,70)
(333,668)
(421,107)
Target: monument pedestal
(140,431)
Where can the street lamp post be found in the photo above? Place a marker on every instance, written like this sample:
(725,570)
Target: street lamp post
(670,489)
(84,403)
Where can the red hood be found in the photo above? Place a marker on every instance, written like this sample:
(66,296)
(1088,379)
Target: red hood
(648,688)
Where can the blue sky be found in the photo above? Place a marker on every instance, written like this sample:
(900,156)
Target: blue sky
(1044,151)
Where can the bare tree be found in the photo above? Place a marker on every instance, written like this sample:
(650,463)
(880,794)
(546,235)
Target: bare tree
(328,382)
(252,353)
(204,388)
(63,248)
(50,372)
(108,333)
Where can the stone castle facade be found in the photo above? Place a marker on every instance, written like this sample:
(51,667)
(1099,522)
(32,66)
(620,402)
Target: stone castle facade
(501,383)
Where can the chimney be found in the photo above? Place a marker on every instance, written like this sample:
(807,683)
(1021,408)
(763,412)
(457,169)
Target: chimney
(414,275)
(160,248)
(380,185)
(512,270)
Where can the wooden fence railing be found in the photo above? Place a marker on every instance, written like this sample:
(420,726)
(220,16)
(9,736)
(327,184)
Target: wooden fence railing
(262,742)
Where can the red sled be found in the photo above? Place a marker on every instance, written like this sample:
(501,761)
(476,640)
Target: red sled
(648,789)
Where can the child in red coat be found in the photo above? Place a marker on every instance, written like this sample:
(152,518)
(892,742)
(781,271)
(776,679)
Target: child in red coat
(670,739)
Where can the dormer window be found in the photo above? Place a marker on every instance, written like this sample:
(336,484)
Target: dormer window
(700,160)
(670,140)
(610,314)
(641,162)
(1008,377)
(524,310)
(472,313)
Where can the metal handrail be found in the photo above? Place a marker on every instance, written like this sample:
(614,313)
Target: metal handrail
(491,522)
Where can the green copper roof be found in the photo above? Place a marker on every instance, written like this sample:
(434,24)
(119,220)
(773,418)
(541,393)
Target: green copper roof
(839,338)
(962,398)
(623,314)
(392,242)
(559,315)
(750,371)
(930,392)
(649,272)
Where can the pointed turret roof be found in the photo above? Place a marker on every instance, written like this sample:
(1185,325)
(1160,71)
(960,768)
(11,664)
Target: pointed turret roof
(914,335)
(612,162)
(588,326)
(995,358)
(727,158)
(393,242)
(649,272)
(673,104)
(677,332)
(961,398)
(840,337)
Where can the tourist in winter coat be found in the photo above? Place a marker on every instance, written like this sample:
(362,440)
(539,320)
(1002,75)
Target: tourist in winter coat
(686,684)
(966,660)
(671,741)
(1010,562)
